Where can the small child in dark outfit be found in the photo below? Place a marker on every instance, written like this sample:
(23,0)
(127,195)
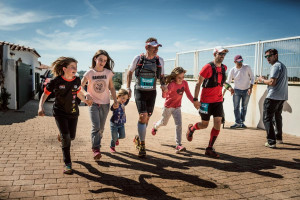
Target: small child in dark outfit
(118,119)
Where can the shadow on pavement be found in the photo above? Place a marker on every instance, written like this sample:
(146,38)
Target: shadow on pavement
(28,111)
(237,164)
(126,186)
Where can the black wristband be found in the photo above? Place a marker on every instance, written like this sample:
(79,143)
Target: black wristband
(195,99)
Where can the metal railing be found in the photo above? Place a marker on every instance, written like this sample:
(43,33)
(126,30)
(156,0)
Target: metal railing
(252,53)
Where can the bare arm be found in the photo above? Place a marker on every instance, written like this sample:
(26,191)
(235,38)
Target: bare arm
(41,111)
(129,78)
(270,82)
(113,92)
(84,81)
(81,96)
(197,91)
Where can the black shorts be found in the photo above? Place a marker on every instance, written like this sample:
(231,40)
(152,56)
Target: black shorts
(214,109)
(145,101)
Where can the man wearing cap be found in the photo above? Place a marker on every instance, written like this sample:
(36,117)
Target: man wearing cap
(277,94)
(243,82)
(212,78)
(148,68)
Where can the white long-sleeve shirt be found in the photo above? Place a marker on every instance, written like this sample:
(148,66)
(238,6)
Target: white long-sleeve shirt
(243,77)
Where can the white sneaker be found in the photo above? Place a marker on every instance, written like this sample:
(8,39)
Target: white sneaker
(270,145)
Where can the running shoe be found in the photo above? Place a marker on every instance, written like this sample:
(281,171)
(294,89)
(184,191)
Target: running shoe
(209,151)
(68,169)
(142,151)
(112,149)
(154,130)
(234,126)
(189,133)
(272,146)
(279,141)
(136,141)
(180,148)
(97,154)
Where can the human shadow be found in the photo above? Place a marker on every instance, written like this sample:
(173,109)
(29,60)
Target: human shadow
(235,164)
(28,111)
(286,108)
(125,186)
(158,166)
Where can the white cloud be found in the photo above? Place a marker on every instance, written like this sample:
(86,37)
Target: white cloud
(92,9)
(83,40)
(70,22)
(11,19)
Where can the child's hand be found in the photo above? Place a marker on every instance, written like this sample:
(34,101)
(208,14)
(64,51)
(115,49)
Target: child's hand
(41,112)
(89,102)
(164,88)
(116,105)
(197,104)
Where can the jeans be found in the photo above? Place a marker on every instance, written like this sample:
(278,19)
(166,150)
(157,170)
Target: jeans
(98,115)
(272,117)
(117,132)
(238,95)
(176,113)
(67,129)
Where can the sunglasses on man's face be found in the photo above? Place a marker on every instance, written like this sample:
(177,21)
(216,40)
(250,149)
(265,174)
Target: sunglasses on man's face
(268,56)
(222,54)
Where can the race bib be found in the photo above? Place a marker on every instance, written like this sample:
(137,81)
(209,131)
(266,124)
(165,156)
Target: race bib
(147,83)
(204,108)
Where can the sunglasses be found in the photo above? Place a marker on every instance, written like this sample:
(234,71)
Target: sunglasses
(240,61)
(268,56)
(222,54)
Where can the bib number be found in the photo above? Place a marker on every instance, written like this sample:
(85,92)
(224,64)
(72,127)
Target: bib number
(147,83)
(204,108)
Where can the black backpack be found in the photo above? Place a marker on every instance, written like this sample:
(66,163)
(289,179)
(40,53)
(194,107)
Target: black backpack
(141,63)
(213,80)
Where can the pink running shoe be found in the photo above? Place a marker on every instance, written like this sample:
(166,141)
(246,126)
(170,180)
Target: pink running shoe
(97,154)
(180,148)
(113,150)
(153,131)
(117,142)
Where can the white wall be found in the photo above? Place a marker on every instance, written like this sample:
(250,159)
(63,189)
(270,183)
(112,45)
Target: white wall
(28,58)
(290,114)
(10,82)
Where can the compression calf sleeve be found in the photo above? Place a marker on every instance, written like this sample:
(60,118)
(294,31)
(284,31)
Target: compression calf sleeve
(213,136)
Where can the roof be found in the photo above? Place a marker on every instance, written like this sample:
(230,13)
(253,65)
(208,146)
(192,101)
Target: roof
(16,47)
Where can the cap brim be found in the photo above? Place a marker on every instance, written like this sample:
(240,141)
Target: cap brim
(239,60)
(156,45)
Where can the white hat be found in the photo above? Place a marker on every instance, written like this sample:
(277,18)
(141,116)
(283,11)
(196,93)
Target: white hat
(220,49)
(153,43)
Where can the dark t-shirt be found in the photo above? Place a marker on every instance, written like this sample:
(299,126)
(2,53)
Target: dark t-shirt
(65,96)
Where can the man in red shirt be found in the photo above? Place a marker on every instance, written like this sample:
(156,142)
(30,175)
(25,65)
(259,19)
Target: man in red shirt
(212,78)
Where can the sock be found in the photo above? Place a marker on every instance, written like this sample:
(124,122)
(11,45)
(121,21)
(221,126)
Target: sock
(213,136)
(142,131)
(195,127)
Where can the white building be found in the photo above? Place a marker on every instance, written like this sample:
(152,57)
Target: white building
(19,67)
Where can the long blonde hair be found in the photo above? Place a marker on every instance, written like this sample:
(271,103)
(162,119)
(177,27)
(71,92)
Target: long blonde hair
(60,63)
(176,71)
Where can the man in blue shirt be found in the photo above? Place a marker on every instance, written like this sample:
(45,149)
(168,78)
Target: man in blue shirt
(277,94)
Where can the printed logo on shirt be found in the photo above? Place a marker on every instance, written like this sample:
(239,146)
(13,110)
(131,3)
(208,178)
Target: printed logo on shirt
(180,91)
(99,86)
(99,77)
(62,87)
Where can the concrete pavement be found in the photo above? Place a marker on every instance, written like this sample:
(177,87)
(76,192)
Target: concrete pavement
(31,162)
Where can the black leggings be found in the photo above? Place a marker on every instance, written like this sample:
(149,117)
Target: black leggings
(67,128)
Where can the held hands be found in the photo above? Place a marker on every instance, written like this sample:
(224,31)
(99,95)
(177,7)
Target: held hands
(89,100)
(116,105)
(197,104)
(164,88)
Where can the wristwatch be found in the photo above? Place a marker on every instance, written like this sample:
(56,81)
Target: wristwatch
(195,99)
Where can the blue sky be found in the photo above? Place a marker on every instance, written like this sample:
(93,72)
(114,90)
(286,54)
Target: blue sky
(78,28)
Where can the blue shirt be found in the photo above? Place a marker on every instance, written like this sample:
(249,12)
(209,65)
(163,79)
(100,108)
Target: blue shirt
(280,90)
(118,116)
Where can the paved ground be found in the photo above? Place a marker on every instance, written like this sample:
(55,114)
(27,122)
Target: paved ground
(31,163)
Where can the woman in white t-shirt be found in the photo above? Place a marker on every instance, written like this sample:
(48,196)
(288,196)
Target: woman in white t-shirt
(100,85)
